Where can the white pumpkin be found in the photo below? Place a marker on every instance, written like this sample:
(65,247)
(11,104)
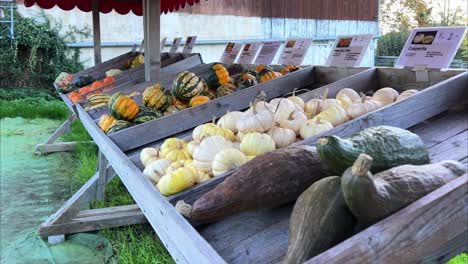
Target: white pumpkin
(315,106)
(314,127)
(282,137)
(256,121)
(156,169)
(211,129)
(229,120)
(359,109)
(294,121)
(236,145)
(351,94)
(282,108)
(334,114)
(344,100)
(254,144)
(406,94)
(228,159)
(192,145)
(207,150)
(297,100)
(147,155)
(385,95)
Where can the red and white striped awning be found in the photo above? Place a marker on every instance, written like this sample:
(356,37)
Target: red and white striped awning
(106,6)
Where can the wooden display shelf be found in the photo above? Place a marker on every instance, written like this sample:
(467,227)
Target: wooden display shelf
(261,235)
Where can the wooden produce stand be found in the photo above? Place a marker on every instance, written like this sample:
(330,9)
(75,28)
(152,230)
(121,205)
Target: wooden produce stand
(261,235)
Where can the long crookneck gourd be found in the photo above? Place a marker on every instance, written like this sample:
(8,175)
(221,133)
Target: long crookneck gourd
(320,219)
(389,146)
(374,197)
(272,179)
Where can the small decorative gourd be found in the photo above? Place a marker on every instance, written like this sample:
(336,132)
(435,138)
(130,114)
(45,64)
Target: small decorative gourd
(294,121)
(314,127)
(204,154)
(255,144)
(229,120)
(156,97)
(282,108)
(211,129)
(385,95)
(147,155)
(156,169)
(336,115)
(406,94)
(228,159)
(217,76)
(174,149)
(186,85)
(296,99)
(123,107)
(105,122)
(226,89)
(179,180)
(198,100)
(260,121)
(268,74)
(351,94)
(282,137)
(289,68)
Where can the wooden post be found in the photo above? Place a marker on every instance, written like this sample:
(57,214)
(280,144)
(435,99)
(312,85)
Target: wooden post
(96,33)
(151,25)
(102,180)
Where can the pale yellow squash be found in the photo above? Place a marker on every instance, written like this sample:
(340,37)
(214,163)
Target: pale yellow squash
(228,159)
(179,180)
(254,144)
(156,169)
(175,149)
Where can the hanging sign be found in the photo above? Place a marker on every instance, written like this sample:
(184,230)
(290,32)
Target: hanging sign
(349,50)
(175,45)
(268,52)
(189,43)
(294,51)
(431,47)
(248,52)
(230,52)
(163,43)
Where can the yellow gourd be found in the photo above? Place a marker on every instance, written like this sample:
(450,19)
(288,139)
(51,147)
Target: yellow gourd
(344,101)
(336,115)
(314,127)
(199,176)
(175,149)
(254,144)
(211,129)
(207,150)
(192,145)
(228,159)
(148,155)
(156,169)
(179,180)
(229,120)
(351,94)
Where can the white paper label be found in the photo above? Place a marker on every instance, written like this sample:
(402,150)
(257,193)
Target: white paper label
(268,52)
(294,51)
(349,50)
(189,43)
(249,52)
(431,47)
(230,52)
(163,43)
(175,45)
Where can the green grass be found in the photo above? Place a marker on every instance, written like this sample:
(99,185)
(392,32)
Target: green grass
(132,244)
(460,259)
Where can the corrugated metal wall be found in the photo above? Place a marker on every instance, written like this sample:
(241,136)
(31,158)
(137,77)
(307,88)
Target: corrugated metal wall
(366,10)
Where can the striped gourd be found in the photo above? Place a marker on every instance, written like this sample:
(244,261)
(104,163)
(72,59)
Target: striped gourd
(156,97)
(123,107)
(186,85)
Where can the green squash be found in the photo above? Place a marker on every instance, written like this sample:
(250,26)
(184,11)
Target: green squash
(146,115)
(218,75)
(118,125)
(389,146)
(186,85)
(156,97)
(226,89)
(83,80)
(207,92)
(246,84)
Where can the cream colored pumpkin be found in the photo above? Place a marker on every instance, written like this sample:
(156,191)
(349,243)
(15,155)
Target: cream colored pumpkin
(256,121)
(199,176)
(344,100)
(282,137)
(175,149)
(192,145)
(336,115)
(351,94)
(406,94)
(297,100)
(282,108)
(254,144)
(314,127)
(315,106)
(229,120)
(359,109)
(147,155)
(207,150)
(294,121)
(385,95)
(156,169)
(179,180)
(228,159)
(211,129)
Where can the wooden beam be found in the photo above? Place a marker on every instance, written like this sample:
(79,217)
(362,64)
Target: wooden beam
(152,28)
(96,32)
(102,178)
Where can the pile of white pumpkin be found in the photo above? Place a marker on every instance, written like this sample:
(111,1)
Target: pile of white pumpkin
(238,137)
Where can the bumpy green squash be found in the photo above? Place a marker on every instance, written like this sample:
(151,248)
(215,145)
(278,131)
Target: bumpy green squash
(146,115)
(389,146)
(217,76)
(208,92)
(156,97)
(118,125)
(371,198)
(186,85)
(123,107)
(320,219)
(226,89)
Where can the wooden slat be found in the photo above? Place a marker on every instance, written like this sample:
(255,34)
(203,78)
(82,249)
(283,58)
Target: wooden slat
(182,241)
(102,177)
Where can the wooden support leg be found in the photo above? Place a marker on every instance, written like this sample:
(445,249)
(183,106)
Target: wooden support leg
(102,178)
(49,147)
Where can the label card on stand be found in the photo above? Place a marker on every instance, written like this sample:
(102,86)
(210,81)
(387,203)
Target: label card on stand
(163,43)
(431,47)
(175,45)
(248,52)
(294,51)
(349,50)
(230,52)
(268,52)
(189,43)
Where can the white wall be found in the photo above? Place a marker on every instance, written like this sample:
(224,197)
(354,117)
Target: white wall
(129,28)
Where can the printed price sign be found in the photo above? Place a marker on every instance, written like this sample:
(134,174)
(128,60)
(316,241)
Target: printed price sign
(175,45)
(230,52)
(189,43)
(268,52)
(163,43)
(349,50)
(431,47)
(294,51)
(248,52)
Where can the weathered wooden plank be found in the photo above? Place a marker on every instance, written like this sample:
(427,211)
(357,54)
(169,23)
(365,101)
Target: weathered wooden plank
(180,238)
(102,177)
(449,250)
(43,149)
(96,32)
(414,232)
(454,148)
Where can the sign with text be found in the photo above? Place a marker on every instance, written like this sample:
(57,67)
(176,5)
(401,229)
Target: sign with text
(294,51)
(163,43)
(189,43)
(349,50)
(268,52)
(175,45)
(230,52)
(248,52)
(431,47)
